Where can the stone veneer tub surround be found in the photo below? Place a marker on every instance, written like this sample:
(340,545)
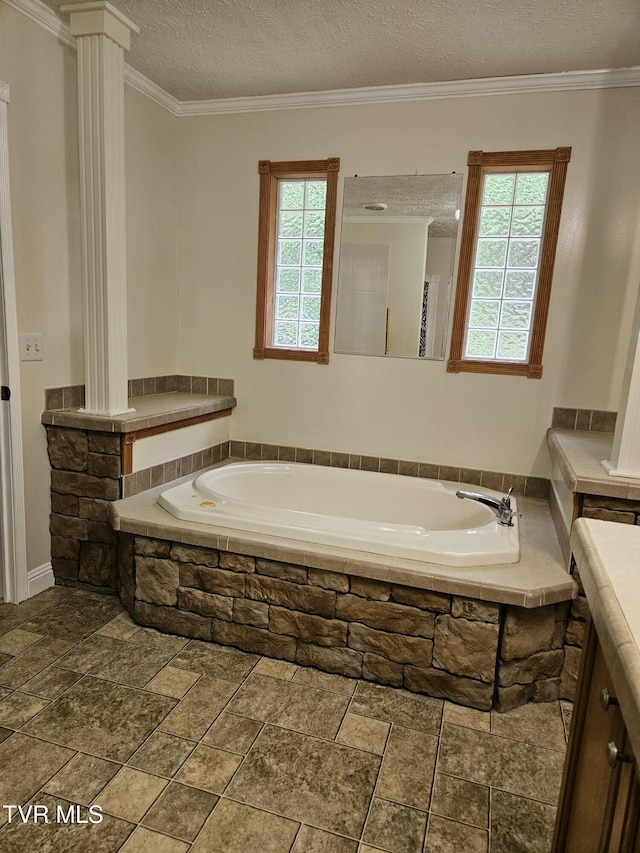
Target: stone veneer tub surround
(480,636)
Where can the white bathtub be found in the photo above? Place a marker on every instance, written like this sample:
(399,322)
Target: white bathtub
(379,513)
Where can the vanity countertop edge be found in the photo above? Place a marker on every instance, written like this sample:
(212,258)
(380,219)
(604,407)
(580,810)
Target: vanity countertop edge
(608,557)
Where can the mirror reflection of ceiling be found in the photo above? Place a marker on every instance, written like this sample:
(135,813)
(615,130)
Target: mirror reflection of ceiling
(210,49)
(433,196)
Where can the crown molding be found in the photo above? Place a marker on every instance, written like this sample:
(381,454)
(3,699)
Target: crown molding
(147,87)
(565,81)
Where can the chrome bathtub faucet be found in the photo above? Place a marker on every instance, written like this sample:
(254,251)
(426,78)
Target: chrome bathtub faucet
(502,507)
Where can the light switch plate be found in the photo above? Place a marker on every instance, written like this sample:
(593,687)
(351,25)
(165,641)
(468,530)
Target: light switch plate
(31,346)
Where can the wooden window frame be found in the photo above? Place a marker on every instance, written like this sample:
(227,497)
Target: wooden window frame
(270,174)
(487,162)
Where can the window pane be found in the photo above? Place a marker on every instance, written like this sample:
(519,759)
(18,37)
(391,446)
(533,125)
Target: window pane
(487,283)
(289,280)
(291,195)
(309,333)
(484,313)
(285,334)
(491,253)
(313,250)
(312,280)
(481,344)
(516,315)
(289,251)
(316,196)
(287,307)
(498,189)
(527,221)
(512,346)
(519,284)
(290,224)
(311,308)
(523,253)
(494,221)
(314,224)
(531,188)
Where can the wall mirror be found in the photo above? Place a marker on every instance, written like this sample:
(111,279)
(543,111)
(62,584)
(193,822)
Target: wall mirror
(397,252)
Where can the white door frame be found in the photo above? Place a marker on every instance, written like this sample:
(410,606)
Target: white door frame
(12,507)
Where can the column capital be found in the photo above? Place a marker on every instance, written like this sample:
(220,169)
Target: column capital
(100,18)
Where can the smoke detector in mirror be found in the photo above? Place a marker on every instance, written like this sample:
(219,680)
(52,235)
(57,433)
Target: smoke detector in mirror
(375,205)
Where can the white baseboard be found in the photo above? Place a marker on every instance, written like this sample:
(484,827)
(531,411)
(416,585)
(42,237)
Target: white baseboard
(39,579)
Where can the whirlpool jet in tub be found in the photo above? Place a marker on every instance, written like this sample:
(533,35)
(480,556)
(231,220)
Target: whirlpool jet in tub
(378,513)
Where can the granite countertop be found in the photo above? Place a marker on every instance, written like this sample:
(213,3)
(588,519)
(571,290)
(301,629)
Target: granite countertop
(608,556)
(578,455)
(539,577)
(150,411)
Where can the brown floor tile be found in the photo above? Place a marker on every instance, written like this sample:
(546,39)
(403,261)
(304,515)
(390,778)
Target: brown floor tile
(4,733)
(157,640)
(146,841)
(32,661)
(105,837)
(469,717)
(194,714)
(12,615)
(309,780)
(162,754)
(325,680)
(5,658)
(311,840)
(171,681)
(217,661)
(521,824)
(537,723)
(16,641)
(276,668)
(236,828)
(294,706)
(460,800)
(130,794)
(408,767)
(181,811)
(51,682)
(82,779)
(233,733)
(447,836)
(363,733)
(398,706)
(396,828)
(19,708)
(27,764)
(76,617)
(120,628)
(487,759)
(209,768)
(116,660)
(108,719)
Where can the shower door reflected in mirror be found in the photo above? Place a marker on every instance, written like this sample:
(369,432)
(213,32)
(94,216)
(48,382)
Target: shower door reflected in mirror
(397,255)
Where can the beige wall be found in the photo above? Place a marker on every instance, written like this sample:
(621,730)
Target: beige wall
(43,161)
(396,407)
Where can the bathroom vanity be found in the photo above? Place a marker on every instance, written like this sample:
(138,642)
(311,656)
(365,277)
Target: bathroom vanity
(599,808)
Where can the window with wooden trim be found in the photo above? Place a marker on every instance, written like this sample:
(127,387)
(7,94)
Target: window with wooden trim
(507,253)
(295,258)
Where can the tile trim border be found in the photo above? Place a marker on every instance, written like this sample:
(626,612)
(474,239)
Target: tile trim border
(593,420)
(72,396)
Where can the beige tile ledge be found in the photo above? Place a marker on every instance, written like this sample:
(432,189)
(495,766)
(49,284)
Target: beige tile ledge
(538,578)
(151,411)
(578,455)
(608,555)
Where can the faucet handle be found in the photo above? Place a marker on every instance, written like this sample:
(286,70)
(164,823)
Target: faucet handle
(506,500)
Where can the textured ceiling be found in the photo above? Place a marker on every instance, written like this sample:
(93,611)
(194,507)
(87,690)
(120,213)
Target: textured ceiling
(209,49)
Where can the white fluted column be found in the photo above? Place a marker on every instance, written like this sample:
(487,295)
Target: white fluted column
(103,35)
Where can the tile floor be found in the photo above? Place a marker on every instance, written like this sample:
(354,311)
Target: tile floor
(189,746)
